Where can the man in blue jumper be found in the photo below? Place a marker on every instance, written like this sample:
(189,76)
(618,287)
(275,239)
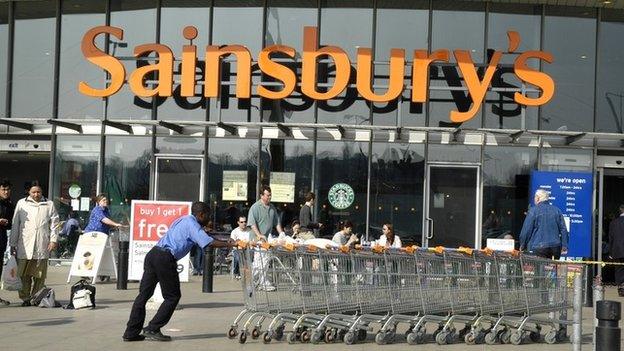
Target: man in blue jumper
(544,232)
(161,267)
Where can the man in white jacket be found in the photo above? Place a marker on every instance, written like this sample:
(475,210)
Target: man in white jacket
(34,234)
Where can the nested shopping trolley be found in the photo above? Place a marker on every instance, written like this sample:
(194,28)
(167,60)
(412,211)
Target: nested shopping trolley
(328,294)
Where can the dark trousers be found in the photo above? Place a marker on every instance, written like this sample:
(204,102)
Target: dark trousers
(548,252)
(619,273)
(160,267)
(3,246)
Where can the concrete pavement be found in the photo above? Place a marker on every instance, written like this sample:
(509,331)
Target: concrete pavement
(201,323)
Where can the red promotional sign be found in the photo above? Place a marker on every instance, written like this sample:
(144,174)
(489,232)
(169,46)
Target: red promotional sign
(150,221)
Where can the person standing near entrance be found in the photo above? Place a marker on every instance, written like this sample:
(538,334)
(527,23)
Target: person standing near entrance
(239,233)
(161,266)
(544,232)
(305,215)
(33,236)
(6,218)
(616,248)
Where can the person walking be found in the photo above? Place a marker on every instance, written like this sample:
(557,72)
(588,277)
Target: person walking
(616,248)
(99,220)
(305,215)
(33,236)
(544,232)
(241,233)
(161,266)
(6,218)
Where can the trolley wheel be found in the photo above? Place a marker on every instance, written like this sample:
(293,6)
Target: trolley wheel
(279,333)
(470,338)
(316,337)
(464,331)
(480,337)
(380,338)
(412,338)
(491,338)
(306,335)
(550,337)
(255,333)
(361,335)
(330,336)
(535,336)
(505,336)
(562,334)
(232,333)
(242,338)
(291,338)
(441,338)
(349,338)
(341,334)
(516,338)
(266,337)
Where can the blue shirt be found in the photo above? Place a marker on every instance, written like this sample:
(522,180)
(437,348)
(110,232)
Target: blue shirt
(182,235)
(95,220)
(544,227)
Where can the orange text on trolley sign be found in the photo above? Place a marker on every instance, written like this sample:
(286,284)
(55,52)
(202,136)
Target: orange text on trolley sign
(477,86)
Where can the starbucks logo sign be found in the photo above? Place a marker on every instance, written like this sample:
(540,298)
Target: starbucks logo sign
(341,196)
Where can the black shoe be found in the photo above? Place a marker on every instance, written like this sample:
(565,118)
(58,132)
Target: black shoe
(4,302)
(26,304)
(133,338)
(155,335)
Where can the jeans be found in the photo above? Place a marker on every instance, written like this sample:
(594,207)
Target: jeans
(548,252)
(236,262)
(198,259)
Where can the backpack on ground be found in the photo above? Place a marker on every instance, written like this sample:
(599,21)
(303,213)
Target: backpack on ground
(82,295)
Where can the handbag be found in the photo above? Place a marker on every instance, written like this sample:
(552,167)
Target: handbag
(45,298)
(82,295)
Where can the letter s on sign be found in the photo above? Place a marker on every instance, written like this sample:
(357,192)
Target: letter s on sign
(531,76)
(100,58)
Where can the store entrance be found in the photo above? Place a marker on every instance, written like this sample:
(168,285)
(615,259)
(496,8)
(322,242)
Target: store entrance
(451,205)
(20,168)
(611,196)
(179,178)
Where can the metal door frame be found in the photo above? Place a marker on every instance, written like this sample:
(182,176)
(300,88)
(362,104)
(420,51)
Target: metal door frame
(477,209)
(199,158)
(601,170)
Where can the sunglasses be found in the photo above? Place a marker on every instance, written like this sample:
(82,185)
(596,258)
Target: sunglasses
(242,221)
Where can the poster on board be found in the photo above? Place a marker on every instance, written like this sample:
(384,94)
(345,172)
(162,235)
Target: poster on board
(93,257)
(149,221)
(282,187)
(234,185)
(571,192)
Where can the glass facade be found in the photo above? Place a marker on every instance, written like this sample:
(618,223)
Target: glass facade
(41,63)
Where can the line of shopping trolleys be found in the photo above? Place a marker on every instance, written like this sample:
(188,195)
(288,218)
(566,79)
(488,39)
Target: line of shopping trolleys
(332,294)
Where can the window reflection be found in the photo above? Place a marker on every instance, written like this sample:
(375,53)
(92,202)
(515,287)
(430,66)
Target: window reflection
(77,18)
(138,19)
(175,16)
(76,166)
(610,94)
(33,62)
(285,21)
(179,145)
(566,159)
(126,173)
(231,155)
(348,25)
(396,195)
(501,110)
(341,162)
(4,40)
(506,179)
(572,106)
(289,156)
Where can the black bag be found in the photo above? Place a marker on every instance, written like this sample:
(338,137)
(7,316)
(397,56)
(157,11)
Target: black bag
(39,295)
(81,285)
(45,298)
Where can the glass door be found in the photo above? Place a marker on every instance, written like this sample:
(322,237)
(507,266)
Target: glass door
(451,206)
(179,178)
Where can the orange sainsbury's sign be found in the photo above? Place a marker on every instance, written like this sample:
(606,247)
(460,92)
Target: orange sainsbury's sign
(476,83)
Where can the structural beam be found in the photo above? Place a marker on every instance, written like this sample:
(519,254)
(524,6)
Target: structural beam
(121,126)
(572,138)
(21,125)
(73,126)
(172,126)
(286,130)
(228,128)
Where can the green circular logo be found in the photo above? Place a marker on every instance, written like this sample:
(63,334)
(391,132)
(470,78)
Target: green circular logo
(341,196)
(75,191)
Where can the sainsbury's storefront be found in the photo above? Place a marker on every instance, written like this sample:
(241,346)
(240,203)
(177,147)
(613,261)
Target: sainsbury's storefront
(430,115)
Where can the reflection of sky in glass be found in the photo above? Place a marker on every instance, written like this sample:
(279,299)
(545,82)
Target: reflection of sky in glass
(173,20)
(572,106)
(610,77)
(4,39)
(33,64)
(139,28)
(75,68)
(458,30)
(502,164)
